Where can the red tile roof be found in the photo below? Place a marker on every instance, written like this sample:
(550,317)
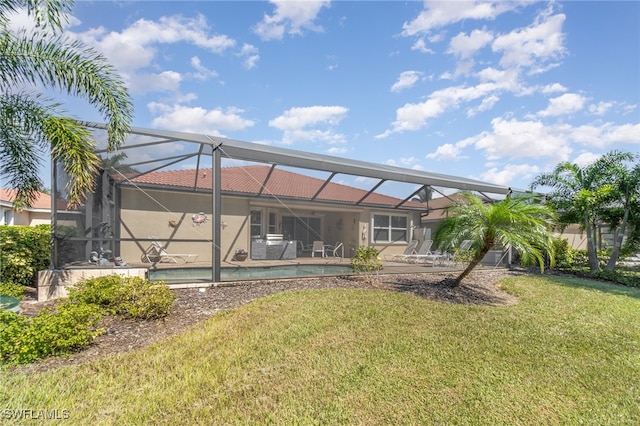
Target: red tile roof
(281,183)
(42,201)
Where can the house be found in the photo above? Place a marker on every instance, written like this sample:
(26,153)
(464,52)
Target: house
(39,213)
(174,207)
(171,191)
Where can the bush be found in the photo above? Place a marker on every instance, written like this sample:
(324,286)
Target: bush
(366,260)
(62,329)
(24,250)
(130,297)
(13,290)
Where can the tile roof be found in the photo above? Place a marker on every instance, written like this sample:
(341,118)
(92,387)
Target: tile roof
(42,201)
(281,183)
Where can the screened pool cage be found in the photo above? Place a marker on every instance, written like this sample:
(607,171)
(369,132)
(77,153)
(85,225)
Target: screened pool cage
(162,200)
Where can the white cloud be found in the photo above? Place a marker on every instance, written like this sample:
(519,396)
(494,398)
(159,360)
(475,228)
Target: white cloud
(406,80)
(250,54)
(415,116)
(486,104)
(197,119)
(541,41)
(509,173)
(300,117)
(421,46)
(439,13)
(296,123)
(202,73)
(133,47)
(523,139)
(446,152)
(600,108)
(166,81)
(314,135)
(464,46)
(606,134)
(290,17)
(553,88)
(564,104)
(136,48)
(586,158)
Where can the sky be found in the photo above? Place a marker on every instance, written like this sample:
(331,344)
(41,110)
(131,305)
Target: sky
(498,91)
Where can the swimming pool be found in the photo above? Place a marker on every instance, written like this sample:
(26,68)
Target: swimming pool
(243,273)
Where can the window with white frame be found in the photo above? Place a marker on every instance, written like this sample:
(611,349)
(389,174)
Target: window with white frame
(256,223)
(388,228)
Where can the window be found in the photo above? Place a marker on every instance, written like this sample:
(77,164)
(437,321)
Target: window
(256,223)
(390,228)
(272,223)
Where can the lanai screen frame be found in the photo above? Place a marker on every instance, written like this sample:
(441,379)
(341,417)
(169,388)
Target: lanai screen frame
(219,147)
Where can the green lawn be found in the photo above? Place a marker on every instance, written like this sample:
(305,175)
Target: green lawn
(567,353)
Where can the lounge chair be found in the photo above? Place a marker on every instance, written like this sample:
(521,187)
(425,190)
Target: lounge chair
(409,249)
(337,250)
(422,254)
(157,253)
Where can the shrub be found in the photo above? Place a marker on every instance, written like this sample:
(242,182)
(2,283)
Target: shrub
(12,328)
(13,290)
(24,250)
(366,259)
(130,297)
(62,329)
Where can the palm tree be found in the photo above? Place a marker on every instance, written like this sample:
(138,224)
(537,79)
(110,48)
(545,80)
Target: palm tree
(31,123)
(584,195)
(626,198)
(519,222)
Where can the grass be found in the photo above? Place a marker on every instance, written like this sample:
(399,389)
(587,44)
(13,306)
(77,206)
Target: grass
(567,353)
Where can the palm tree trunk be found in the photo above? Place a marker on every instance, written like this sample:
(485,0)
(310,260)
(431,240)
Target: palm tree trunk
(617,243)
(474,262)
(594,265)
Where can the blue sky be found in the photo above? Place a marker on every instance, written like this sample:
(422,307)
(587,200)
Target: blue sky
(496,91)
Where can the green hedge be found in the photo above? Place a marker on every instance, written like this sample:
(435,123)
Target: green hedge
(74,322)
(54,331)
(24,250)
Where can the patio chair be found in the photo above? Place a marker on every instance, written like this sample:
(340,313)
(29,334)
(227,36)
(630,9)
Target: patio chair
(157,253)
(318,247)
(338,250)
(409,249)
(422,254)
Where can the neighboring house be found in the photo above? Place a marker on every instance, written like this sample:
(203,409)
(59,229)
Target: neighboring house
(39,213)
(572,233)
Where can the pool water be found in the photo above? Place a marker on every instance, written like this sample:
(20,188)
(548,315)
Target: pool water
(230,274)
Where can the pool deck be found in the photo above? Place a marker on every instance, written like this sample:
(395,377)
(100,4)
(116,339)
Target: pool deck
(388,266)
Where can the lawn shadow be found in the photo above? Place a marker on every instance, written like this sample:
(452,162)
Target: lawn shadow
(477,289)
(604,286)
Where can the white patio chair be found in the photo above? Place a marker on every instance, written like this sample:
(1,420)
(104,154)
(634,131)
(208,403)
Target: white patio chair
(318,247)
(157,253)
(421,255)
(409,249)
(338,249)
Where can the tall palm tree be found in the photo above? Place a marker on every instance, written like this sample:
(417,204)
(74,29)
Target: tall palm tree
(31,123)
(618,166)
(583,195)
(519,222)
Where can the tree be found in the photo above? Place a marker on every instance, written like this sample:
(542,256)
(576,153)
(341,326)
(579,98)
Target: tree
(31,123)
(590,194)
(626,198)
(517,221)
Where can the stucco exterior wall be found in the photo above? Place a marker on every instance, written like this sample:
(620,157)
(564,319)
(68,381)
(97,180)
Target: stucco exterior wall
(169,216)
